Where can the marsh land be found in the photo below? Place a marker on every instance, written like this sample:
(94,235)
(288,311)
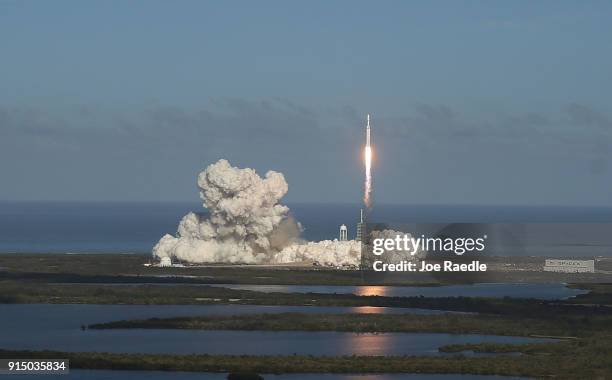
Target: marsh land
(581,327)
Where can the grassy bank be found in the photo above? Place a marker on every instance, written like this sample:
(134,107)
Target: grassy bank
(34,292)
(130,268)
(444,323)
(80,279)
(544,364)
(502,348)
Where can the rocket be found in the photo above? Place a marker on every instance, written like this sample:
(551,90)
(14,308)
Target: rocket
(368,132)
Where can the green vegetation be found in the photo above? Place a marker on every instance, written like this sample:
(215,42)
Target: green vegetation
(599,295)
(35,292)
(503,348)
(130,268)
(585,353)
(93,279)
(588,358)
(574,362)
(443,323)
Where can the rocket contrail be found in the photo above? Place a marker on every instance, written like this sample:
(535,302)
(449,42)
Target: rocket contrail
(367,197)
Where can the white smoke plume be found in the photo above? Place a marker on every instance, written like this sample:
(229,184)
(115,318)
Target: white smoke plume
(246,224)
(326,252)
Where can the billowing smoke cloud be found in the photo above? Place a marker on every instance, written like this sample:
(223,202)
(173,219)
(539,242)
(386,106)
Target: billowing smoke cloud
(326,252)
(246,224)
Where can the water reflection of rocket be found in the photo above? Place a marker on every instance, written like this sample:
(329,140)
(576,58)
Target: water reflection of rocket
(368,132)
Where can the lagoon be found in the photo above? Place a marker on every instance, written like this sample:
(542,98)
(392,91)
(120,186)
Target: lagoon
(496,290)
(57,327)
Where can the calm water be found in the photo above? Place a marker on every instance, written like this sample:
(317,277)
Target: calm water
(538,291)
(56,327)
(152,375)
(136,227)
(325,343)
(67,316)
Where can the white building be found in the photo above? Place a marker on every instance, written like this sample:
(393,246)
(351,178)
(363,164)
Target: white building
(569,266)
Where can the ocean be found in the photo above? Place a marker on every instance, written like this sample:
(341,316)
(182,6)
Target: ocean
(123,227)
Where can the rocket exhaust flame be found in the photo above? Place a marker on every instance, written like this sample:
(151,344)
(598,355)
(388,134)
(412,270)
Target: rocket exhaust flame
(367,197)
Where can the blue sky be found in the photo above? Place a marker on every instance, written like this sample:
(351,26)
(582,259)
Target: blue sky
(473,102)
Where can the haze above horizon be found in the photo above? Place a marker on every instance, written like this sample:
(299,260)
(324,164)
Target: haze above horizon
(475,102)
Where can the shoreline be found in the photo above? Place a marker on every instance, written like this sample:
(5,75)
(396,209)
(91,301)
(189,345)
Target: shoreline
(357,323)
(131,268)
(528,364)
